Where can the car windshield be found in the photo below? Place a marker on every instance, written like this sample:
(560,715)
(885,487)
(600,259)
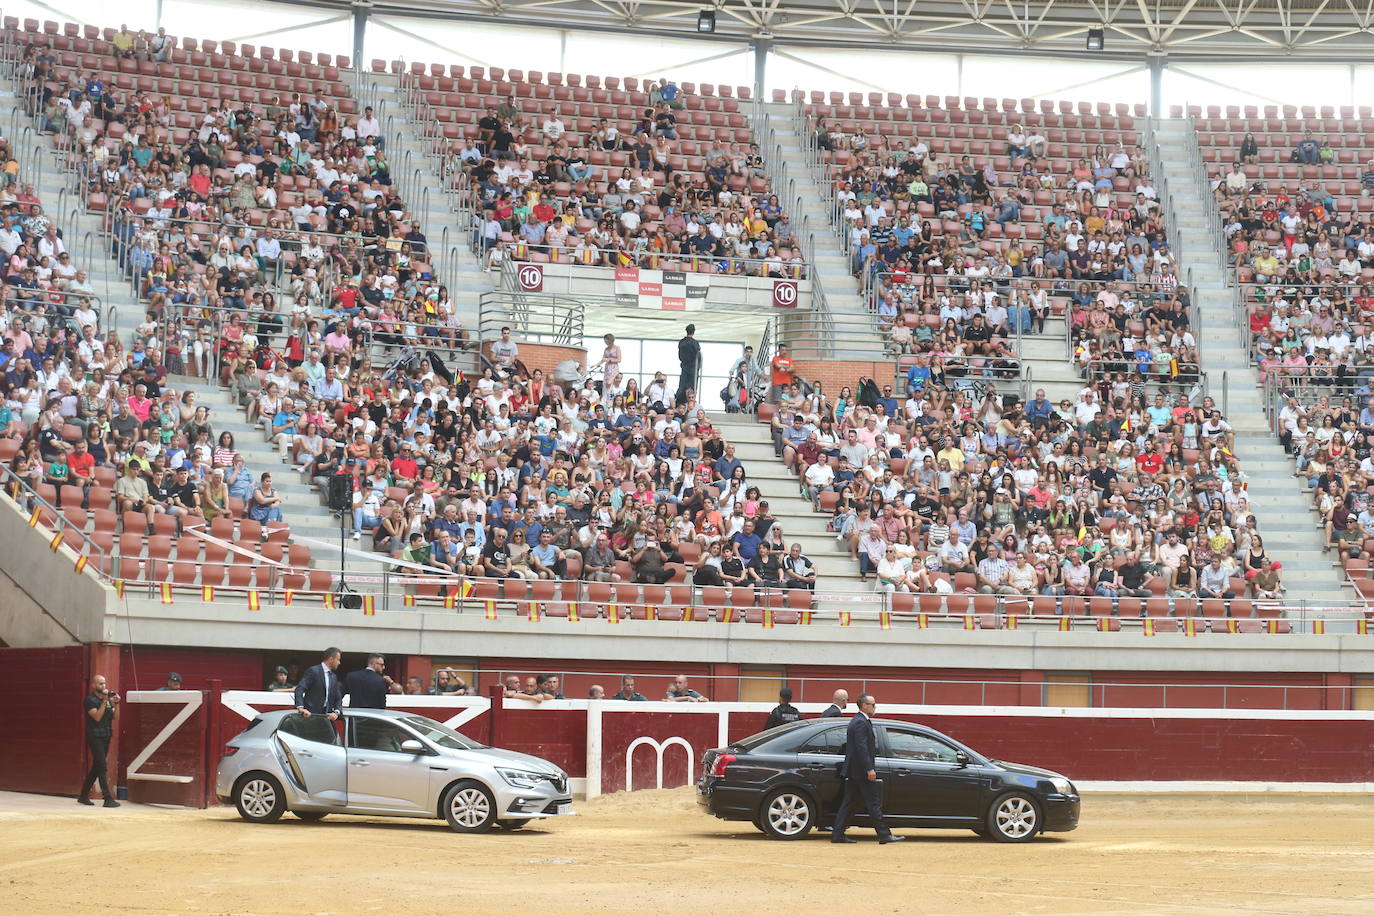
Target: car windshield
(441,735)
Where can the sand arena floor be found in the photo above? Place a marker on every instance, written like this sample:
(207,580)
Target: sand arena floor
(654,852)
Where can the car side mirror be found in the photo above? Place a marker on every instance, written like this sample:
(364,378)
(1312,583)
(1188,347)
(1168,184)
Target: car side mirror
(960,758)
(411,746)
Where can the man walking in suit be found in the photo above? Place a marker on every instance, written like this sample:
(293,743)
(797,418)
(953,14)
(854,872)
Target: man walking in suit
(836,708)
(368,687)
(861,776)
(319,692)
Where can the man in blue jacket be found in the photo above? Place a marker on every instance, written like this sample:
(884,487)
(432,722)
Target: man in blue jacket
(860,774)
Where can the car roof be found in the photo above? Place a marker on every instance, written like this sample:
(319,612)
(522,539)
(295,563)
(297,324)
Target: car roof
(276,714)
(843,722)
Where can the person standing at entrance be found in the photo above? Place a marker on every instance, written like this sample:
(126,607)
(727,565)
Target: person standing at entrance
(861,775)
(689,361)
(319,692)
(102,711)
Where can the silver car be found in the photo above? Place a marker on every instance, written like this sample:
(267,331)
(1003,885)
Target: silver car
(383,762)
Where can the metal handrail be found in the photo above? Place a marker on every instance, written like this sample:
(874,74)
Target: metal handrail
(532,316)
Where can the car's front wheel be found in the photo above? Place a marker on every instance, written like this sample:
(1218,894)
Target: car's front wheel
(787,814)
(469,807)
(259,798)
(1013,818)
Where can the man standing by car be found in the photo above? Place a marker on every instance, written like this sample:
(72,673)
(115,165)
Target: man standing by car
(367,687)
(784,712)
(102,711)
(860,774)
(319,692)
(837,704)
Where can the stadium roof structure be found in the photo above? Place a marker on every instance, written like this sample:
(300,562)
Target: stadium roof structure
(1334,31)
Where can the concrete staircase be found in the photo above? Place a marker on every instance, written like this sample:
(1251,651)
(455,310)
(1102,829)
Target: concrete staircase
(465,278)
(1281,505)
(851,333)
(800,523)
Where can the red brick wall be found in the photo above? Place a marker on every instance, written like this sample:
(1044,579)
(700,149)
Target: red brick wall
(835,374)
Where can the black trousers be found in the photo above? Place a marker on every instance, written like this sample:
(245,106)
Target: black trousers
(100,768)
(856,789)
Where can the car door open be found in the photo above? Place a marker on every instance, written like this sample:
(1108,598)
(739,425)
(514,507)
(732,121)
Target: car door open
(314,758)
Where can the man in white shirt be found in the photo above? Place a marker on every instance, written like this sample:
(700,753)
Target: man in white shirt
(553,127)
(369,127)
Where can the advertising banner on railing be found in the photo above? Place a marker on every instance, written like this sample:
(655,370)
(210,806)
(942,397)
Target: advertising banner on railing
(670,290)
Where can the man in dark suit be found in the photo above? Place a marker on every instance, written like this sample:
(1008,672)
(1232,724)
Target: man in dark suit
(860,774)
(319,692)
(368,687)
(836,708)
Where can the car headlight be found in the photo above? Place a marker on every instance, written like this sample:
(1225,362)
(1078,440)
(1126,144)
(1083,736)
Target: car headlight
(522,779)
(1062,785)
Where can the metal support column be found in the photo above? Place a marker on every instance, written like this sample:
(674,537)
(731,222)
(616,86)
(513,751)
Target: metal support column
(761,48)
(1156,87)
(361,11)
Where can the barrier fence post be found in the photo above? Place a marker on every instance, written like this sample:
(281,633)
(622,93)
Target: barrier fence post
(213,712)
(497,694)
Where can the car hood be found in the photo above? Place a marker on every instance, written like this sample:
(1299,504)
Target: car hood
(1025,770)
(496,757)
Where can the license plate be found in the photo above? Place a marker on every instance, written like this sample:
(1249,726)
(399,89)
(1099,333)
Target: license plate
(563,809)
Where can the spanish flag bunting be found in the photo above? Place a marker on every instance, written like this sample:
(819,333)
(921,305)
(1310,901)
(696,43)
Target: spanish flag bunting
(1189,626)
(80,564)
(119,587)
(166,590)
(650,612)
(33,517)
(727,615)
(1272,624)
(922,621)
(844,618)
(806,618)
(885,620)
(1232,626)
(1103,624)
(1065,624)
(1319,627)
(408,600)
(253,603)
(450,601)
(969,622)
(613,613)
(491,608)
(56,542)
(689,614)
(1173,368)
(328,600)
(533,611)
(207,593)
(573,614)
(369,605)
(288,597)
(1149,627)
(1013,621)
(768,618)
(1362,627)
(466,588)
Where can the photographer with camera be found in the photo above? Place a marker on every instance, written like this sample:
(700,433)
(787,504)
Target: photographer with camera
(102,711)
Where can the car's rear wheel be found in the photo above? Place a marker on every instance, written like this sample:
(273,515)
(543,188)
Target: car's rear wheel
(259,798)
(311,815)
(513,824)
(787,814)
(469,807)
(1013,818)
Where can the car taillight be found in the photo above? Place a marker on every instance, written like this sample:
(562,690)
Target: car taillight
(723,761)
(229,750)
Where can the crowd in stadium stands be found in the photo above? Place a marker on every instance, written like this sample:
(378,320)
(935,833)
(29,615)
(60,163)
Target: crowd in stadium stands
(619,191)
(1305,261)
(538,688)
(1114,498)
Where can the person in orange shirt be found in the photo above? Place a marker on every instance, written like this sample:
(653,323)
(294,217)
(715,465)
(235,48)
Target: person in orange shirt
(81,465)
(783,376)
